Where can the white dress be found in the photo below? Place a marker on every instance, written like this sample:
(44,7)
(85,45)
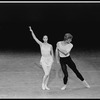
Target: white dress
(46,59)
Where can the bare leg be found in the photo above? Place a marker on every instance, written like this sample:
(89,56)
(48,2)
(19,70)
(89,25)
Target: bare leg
(44,77)
(46,82)
(47,78)
(43,82)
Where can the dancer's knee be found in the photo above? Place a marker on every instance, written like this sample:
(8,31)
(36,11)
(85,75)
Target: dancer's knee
(46,73)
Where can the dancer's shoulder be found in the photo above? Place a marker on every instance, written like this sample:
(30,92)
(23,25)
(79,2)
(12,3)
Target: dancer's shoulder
(71,44)
(49,44)
(59,42)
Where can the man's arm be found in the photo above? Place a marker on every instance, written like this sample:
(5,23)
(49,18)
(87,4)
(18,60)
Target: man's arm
(62,52)
(52,52)
(66,52)
(57,55)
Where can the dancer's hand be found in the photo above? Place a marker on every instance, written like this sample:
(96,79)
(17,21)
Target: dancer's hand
(30,28)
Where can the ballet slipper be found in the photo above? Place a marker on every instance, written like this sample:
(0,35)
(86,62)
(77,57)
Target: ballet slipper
(64,87)
(47,88)
(43,87)
(86,84)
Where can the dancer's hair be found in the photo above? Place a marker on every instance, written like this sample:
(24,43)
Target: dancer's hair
(68,36)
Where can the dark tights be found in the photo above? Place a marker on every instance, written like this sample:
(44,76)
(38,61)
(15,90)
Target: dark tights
(71,64)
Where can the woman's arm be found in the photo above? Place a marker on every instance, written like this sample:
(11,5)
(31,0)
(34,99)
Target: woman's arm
(35,38)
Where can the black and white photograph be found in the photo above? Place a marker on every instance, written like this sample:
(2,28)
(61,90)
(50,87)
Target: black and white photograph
(50,49)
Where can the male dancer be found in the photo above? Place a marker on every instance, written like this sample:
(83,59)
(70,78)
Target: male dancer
(63,56)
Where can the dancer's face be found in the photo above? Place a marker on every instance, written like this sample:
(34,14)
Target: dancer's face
(68,40)
(45,38)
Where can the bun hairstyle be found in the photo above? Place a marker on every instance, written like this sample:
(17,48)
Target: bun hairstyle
(68,36)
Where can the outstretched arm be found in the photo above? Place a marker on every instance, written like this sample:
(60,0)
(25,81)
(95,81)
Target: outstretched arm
(35,38)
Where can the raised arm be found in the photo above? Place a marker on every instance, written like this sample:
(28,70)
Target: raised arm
(35,38)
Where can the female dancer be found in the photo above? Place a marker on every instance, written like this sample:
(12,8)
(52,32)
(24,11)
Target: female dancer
(63,56)
(46,58)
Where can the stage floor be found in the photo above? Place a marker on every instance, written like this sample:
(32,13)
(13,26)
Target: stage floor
(21,77)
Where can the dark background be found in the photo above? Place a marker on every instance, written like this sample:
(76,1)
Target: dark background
(82,20)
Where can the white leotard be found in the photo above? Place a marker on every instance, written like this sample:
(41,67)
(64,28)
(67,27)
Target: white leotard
(45,49)
(64,48)
(46,59)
